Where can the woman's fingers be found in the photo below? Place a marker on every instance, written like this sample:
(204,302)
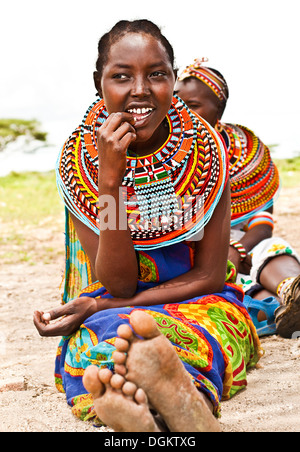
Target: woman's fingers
(42,319)
(114,121)
(56,313)
(127,139)
(63,327)
(39,322)
(38,319)
(125,129)
(117,130)
(113,140)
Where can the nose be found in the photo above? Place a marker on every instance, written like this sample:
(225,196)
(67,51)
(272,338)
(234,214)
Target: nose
(140,87)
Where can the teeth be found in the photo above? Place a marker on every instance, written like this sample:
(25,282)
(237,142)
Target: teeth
(140,111)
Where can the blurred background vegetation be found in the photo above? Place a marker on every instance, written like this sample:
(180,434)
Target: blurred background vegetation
(12,129)
(31,217)
(289,170)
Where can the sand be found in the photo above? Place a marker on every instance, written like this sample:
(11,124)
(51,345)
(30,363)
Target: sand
(29,401)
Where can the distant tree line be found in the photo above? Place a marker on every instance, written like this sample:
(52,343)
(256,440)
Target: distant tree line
(12,129)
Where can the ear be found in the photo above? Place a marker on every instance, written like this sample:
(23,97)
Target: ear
(221,108)
(97,82)
(175,74)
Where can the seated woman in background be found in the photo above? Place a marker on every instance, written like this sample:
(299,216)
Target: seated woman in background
(267,266)
(163,336)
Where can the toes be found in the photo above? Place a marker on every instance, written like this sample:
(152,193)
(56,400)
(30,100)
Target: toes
(118,357)
(124,331)
(122,345)
(140,396)
(117,381)
(92,382)
(105,376)
(129,389)
(120,369)
(143,324)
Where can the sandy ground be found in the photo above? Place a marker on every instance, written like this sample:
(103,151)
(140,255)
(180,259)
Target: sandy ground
(29,401)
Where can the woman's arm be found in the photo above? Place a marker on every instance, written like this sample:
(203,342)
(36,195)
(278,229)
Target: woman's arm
(249,240)
(257,234)
(112,253)
(207,276)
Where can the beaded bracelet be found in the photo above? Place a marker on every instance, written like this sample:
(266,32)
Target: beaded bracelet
(239,247)
(261,218)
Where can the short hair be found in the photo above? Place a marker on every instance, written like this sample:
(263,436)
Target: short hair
(123,27)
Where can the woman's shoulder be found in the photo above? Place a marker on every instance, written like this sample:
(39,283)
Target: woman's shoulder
(241,132)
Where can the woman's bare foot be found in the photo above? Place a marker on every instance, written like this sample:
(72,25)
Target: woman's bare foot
(153,365)
(119,404)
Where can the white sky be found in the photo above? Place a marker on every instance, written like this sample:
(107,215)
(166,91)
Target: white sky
(48,53)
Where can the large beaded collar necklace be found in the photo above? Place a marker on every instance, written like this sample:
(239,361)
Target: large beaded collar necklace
(169,195)
(254,178)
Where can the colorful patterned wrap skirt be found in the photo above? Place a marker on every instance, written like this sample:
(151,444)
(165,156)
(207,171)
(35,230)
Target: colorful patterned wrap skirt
(213,335)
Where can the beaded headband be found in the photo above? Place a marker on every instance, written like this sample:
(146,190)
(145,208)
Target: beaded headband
(207,76)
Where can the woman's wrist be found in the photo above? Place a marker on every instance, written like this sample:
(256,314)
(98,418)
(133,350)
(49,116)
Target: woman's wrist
(101,304)
(239,248)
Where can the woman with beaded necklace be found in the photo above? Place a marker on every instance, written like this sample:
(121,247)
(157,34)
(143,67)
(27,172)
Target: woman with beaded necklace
(161,335)
(268,267)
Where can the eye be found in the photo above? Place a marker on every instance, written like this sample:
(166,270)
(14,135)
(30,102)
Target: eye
(158,74)
(193,105)
(120,76)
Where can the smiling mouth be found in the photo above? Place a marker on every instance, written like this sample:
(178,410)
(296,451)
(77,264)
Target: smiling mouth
(140,114)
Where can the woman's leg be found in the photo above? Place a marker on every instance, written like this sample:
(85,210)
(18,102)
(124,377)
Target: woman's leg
(277,270)
(281,276)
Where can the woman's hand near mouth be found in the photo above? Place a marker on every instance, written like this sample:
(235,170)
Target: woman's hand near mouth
(115,262)
(114,138)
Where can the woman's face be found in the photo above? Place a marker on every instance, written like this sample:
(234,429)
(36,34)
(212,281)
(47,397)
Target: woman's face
(199,98)
(138,78)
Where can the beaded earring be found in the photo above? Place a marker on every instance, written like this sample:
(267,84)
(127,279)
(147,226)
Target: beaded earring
(219,126)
